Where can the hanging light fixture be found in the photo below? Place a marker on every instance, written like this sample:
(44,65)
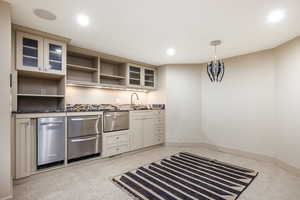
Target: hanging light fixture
(215,68)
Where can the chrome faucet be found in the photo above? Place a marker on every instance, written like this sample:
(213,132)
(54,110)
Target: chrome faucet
(137,97)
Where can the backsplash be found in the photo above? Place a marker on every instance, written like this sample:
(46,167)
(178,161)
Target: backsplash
(77,95)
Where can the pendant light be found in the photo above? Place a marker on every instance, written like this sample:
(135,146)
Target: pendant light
(215,68)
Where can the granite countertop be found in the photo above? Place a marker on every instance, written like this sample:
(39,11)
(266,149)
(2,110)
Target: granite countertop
(96,108)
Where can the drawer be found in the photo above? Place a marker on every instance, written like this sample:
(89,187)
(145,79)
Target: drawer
(115,150)
(115,140)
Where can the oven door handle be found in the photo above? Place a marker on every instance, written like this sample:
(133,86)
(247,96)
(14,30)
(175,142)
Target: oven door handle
(83,140)
(52,123)
(83,119)
(97,125)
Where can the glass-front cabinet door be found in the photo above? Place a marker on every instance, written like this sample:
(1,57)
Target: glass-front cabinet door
(54,57)
(134,75)
(149,78)
(29,50)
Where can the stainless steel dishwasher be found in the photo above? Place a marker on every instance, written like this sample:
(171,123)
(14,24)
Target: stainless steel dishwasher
(50,141)
(115,121)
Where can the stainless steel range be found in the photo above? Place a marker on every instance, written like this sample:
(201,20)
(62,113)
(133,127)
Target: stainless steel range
(84,137)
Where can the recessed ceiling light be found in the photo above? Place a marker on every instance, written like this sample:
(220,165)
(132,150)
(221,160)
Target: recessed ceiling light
(171,51)
(44,14)
(83,20)
(276,16)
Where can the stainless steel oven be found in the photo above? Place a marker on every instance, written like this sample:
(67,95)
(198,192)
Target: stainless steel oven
(84,136)
(115,121)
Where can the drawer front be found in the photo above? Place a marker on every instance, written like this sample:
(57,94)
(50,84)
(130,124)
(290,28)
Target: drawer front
(115,150)
(84,146)
(79,126)
(116,140)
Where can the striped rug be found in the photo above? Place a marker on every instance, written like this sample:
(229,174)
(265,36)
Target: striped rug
(186,176)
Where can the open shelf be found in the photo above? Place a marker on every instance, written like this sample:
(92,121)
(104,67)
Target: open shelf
(38,103)
(81,83)
(41,95)
(81,68)
(112,76)
(112,73)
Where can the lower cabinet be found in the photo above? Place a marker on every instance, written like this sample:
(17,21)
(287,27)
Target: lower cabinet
(146,128)
(115,143)
(24,144)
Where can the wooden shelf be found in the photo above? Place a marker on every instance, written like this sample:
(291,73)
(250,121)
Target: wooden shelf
(41,95)
(81,68)
(81,83)
(112,76)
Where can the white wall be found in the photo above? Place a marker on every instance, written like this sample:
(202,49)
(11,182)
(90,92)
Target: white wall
(255,109)
(5,66)
(288,101)
(239,113)
(183,100)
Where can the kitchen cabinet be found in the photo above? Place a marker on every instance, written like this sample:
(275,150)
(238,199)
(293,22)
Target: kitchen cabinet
(141,77)
(29,51)
(23,147)
(115,143)
(134,76)
(38,54)
(136,133)
(149,78)
(54,57)
(146,128)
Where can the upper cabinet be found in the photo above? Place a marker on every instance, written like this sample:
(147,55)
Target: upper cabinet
(149,78)
(54,57)
(141,77)
(35,53)
(134,76)
(29,52)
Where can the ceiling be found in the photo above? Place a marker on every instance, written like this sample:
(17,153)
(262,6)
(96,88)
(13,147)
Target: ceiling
(143,29)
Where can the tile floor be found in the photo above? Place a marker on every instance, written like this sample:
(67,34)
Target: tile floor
(91,180)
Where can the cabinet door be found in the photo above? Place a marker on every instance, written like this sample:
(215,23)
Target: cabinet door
(149,132)
(23,148)
(54,57)
(134,76)
(149,78)
(136,133)
(29,52)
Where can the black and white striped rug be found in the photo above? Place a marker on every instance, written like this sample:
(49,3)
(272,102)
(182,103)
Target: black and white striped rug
(186,176)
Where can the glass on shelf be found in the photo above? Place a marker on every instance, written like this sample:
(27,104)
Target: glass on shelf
(30,52)
(55,56)
(134,69)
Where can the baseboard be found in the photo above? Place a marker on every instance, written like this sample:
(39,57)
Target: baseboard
(254,156)
(7,198)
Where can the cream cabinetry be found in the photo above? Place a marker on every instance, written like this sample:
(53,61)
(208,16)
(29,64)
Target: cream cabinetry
(149,78)
(115,143)
(54,57)
(29,51)
(146,128)
(38,54)
(24,147)
(141,77)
